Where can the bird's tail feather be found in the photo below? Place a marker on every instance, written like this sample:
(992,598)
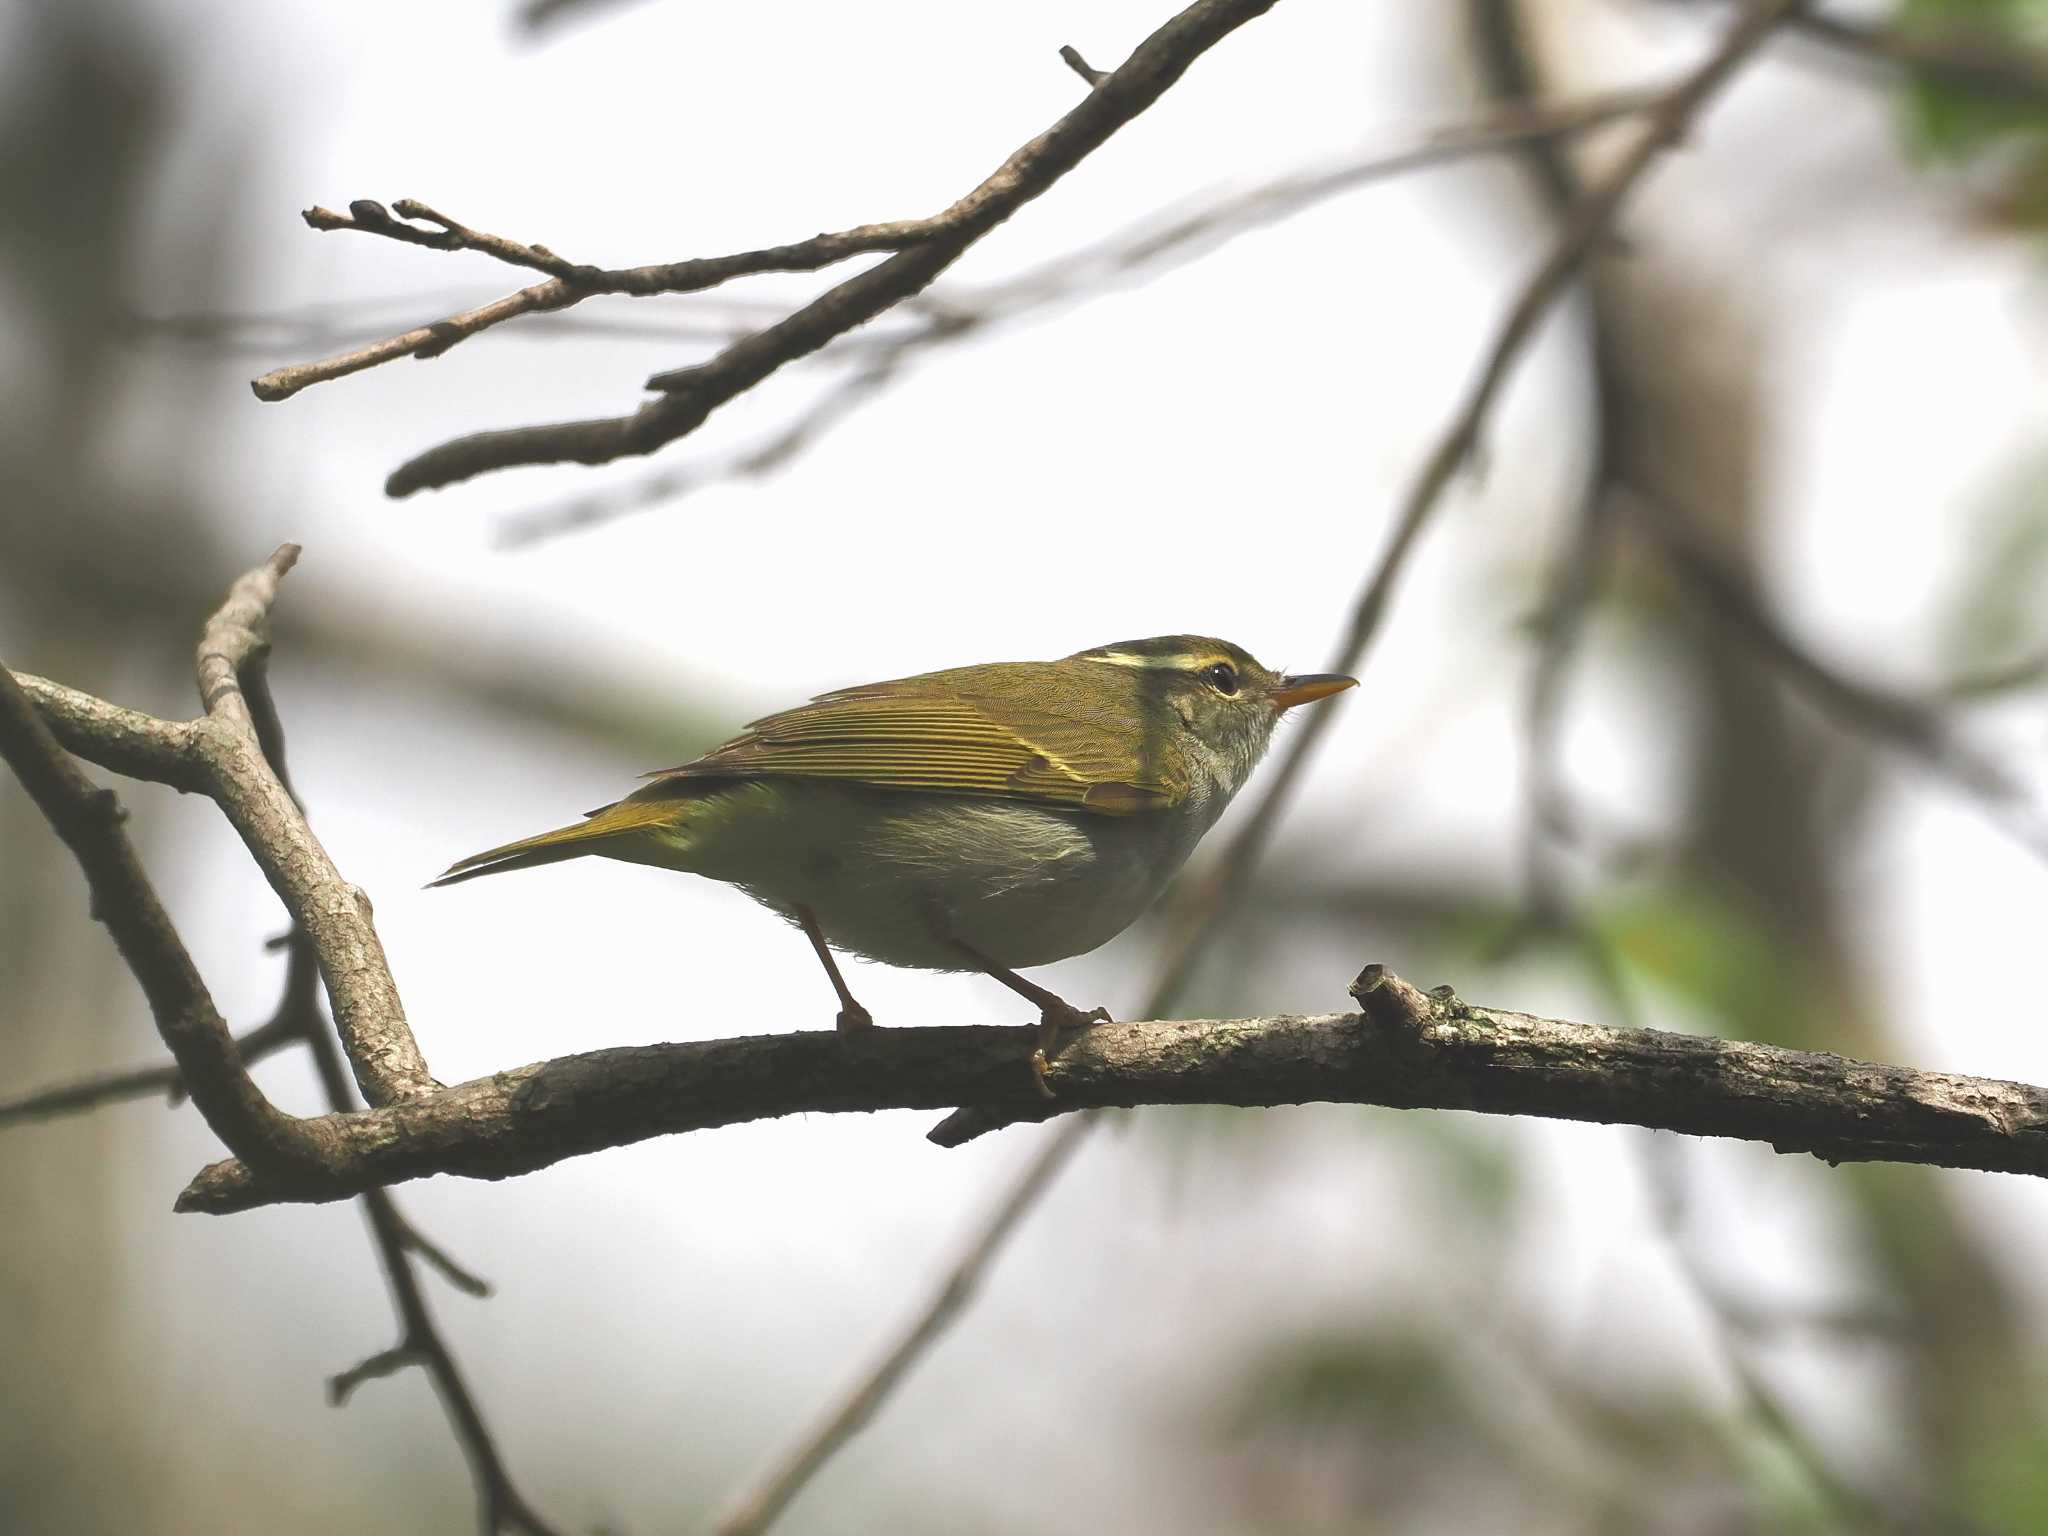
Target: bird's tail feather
(607,831)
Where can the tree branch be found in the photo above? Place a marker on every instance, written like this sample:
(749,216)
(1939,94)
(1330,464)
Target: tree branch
(88,819)
(923,249)
(1912,727)
(222,755)
(137,1082)
(1407,1051)
(571,284)
(126,741)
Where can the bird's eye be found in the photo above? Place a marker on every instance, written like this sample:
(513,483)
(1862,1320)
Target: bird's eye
(1223,678)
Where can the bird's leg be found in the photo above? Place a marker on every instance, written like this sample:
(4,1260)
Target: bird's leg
(851,1014)
(1055,1013)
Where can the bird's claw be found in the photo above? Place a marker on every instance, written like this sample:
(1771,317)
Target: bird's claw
(1052,1023)
(854,1018)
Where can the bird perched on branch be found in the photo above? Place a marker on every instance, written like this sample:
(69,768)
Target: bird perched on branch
(984,818)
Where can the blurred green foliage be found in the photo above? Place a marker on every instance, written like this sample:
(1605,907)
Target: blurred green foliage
(1960,122)
(1705,948)
(1997,610)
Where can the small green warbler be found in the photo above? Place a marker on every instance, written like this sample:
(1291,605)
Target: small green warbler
(983,818)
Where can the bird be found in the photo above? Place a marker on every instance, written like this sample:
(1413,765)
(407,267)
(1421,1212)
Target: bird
(987,818)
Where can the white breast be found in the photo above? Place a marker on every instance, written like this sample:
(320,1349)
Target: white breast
(904,878)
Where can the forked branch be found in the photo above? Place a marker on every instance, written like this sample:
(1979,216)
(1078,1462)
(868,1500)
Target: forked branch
(921,249)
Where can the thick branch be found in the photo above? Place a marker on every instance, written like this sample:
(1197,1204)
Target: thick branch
(1439,1053)
(692,394)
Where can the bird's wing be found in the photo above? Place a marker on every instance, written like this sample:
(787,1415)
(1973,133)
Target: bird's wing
(1012,736)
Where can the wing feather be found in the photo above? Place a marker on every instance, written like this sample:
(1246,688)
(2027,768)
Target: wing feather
(1010,731)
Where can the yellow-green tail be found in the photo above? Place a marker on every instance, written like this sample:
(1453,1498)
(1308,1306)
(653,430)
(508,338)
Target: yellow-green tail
(607,831)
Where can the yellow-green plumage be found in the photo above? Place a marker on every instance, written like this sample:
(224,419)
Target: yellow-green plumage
(993,816)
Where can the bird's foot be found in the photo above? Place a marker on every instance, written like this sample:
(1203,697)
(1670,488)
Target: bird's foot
(1055,1019)
(853,1018)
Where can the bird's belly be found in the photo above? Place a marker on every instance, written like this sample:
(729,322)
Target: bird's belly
(907,879)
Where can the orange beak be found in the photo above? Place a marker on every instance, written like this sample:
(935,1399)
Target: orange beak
(1309,688)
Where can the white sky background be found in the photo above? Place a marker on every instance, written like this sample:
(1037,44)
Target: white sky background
(1218,452)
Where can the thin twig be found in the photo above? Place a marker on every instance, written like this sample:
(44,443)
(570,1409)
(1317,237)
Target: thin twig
(166,1080)
(88,819)
(437,1258)
(236,753)
(929,247)
(1071,57)
(694,276)
(220,755)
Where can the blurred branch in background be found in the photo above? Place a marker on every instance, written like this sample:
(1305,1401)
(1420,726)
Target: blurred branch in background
(1684,423)
(1915,728)
(1980,58)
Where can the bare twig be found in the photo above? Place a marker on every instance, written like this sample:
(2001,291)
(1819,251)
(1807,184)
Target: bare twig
(429,341)
(420,1342)
(1071,57)
(235,752)
(137,1082)
(220,754)
(448,235)
(89,821)
(1914,728)
(923,249)
(89,1093)
(386,1362)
